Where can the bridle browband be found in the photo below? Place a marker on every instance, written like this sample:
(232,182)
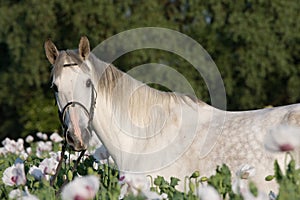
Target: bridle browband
(70,64)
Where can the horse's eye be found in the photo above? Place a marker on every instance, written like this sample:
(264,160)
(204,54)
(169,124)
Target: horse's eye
(88,83)
(54,87)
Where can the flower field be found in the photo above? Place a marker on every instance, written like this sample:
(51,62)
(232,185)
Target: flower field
(28,165)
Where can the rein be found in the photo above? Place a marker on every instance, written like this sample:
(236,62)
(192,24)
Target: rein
(61,114)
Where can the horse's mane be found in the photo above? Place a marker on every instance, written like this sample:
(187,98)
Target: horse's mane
(113,81)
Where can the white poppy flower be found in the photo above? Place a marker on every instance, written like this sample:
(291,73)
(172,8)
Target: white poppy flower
(15,194)
(124,191)
(23,155)
(150,195)
(138,184)
(29,139)
(134,183)
(83,188)
(208,193)
(21,195)
(282,138)
(28,150)
(20,145)
(245,171)
(14,175)
(42,136)
(240,184)
(12,146)
(3,151)
(48,166)
(55,137)
(95,166)
(249,196)
(70,157)
(43,147)
(164,196)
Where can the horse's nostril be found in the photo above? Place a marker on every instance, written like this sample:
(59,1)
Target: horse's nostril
(69,138)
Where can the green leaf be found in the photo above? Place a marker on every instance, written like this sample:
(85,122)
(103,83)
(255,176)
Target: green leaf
(174,181)
(278,173)
(253,188)
(158,180)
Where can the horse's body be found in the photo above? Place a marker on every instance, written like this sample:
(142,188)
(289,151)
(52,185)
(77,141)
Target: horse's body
(236,141)
(152,132)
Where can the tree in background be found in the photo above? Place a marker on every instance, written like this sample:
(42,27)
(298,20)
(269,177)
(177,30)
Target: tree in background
(255,44)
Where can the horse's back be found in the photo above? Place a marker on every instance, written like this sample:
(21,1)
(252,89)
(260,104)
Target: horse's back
(242,140)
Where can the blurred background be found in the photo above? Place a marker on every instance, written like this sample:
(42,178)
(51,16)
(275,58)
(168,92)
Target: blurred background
(254,43)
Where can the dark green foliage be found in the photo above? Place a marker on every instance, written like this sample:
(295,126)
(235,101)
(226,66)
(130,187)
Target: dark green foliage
(255,44)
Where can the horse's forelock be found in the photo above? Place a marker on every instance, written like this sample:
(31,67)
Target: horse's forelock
(60,61)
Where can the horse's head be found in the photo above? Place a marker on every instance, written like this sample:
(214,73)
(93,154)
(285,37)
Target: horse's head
(74,91)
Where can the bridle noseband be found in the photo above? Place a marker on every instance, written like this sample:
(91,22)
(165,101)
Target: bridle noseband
(89,113)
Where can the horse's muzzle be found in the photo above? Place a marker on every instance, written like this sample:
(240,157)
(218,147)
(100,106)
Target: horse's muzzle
(78,139)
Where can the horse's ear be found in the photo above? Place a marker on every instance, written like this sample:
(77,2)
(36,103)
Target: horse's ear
(51,51)
(84,48)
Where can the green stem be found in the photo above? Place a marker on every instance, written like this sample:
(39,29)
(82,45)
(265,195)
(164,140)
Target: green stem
(185,178)
(151,182)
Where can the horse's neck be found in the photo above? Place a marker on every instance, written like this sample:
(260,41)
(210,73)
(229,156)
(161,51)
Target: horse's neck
(136,118)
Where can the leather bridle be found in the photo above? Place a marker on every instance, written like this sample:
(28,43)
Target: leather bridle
(88,112)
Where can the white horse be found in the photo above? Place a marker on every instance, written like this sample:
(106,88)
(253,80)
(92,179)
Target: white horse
(152,132)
